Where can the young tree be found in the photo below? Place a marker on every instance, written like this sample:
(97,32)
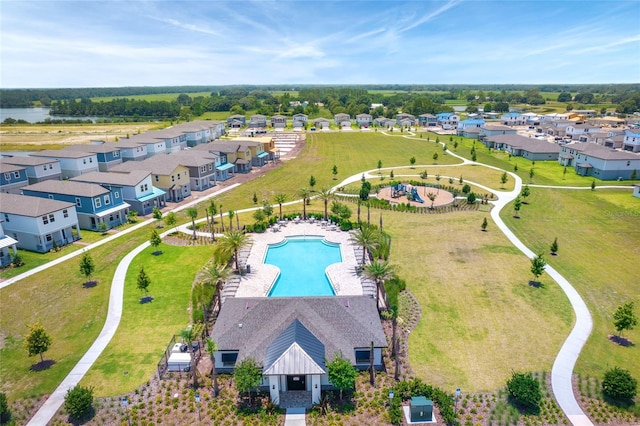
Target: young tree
(624,318)
(564,172)
(103,227)
(432,197)
(156,213)
(334,171)
(438,177)
(312,182)
(593,185)
(280,198)
(412,160)
(211,349)
(143,281)
(515,168)
(424,174)
(155,240)
(259,215)
(460,180)
(537,266)
(379,167)
(484,225)
(132,216)
(87,266)
(471,198)
(267,208)
(255,198)
(531,174)
(504,178)
(525,192)
(466,188)
(37,341)
(391,175)
(341,373)
(517,204)
(474,157)
(525,391)
(247,376)
(618,384)
(455,144)
(554,247)
(78,401)
(4,407)
(435,156)
(192,212)
(170,219)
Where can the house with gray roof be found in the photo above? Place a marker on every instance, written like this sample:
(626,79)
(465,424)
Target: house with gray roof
(166,172)
(174,139)
(94,204)
(7,246)
(37,168)
(38,223)
(136,185)
(522,146)
(292,338)
(201,131)
(152,146)
(494,130)
(108,155)
(364,120)
(202,167)
(132,151)
(342,119)
(590,159)
(236,121)
(278,121)
(12,178)
(72,163)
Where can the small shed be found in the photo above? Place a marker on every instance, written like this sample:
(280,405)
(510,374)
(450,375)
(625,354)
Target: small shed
(179,362)
(421,409)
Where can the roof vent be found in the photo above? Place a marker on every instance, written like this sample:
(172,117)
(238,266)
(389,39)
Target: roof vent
(239,325)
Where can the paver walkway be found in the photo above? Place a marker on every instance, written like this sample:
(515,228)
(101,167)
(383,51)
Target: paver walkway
(295,417)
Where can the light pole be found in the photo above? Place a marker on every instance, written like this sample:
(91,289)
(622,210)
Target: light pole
(457,396)
(198,406)
(125,404)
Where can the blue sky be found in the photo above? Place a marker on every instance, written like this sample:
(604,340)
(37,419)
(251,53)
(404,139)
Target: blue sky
(155,43)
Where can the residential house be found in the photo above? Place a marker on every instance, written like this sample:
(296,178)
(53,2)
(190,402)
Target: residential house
(608,139)
(427,120)
(322,123)
(108,155)
(196,132)
(131,151)
(202,168)
(7,245)
(495,129)
(72,163)
(469,132)
(513,119)
(384,122)
(150,145)
(364,120)
(631,141)
(278,121)
(38,169)
(38,224)
(554,128)
(174,139)
(269,151)
(522,146)
(554,117)
(167,174)
(12,177)
(293,338)
(342,120)
(581,132)
(590,159)
(224,169)
(136,185)
(258,123)
(236,121)
(405,120)
(448,120)
(300,118)
(470,123)
(94,204)
(237,153)
(531,118)
(582,113)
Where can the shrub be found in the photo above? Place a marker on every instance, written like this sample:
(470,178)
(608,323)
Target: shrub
(524,390)
(4,407)
(618,384)
(78,401)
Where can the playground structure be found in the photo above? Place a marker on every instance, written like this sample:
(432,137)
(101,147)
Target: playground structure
(416,195)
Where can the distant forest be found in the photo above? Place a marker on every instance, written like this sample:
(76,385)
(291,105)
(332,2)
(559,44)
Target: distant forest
(351,99)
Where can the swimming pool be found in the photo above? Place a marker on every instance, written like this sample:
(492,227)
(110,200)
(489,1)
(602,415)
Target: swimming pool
(302,262)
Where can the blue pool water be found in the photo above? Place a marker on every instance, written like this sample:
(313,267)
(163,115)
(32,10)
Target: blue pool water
(302,262)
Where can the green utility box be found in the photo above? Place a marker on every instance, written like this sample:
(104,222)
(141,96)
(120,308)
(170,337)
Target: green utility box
(421,409)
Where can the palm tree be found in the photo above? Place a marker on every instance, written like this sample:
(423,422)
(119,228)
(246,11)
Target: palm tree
(379,271)
(395,353)
(280,198)
(192,212)
(304,194)
(212,348)
(365,237)
(233,241)
(218,274)
(212,210)
(325,195)
(189,335)
(231,213)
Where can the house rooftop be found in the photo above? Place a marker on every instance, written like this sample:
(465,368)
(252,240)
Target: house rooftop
(158,165)
(63,153)
(598,151)
(131,178)
(528,144)
(23,205)
(97,148)
(28,161)
(6,167)
(67,187)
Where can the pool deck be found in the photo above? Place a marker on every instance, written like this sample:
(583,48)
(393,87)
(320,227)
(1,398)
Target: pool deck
(342,276)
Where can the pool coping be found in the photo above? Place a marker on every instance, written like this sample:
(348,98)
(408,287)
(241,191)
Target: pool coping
(342,276)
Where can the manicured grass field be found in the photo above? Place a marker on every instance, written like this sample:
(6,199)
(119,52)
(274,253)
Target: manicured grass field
(598,234)
(145,329)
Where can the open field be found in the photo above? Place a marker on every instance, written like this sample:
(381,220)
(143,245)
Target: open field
(598,234)
(152,97)
(25,137)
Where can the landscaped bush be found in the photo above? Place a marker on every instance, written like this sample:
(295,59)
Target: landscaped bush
(524,391)
(78,401)
(618,384)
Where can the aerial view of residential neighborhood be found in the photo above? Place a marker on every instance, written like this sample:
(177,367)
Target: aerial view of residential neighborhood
(319,213)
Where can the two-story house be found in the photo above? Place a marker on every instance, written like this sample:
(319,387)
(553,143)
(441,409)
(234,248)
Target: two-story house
(236,121)
(38,168)
(94,203)
(108,154)
(342,120)
(590,159)
(258,123)
(174,139)
(72,163)
(12,177)
(427,120)
(300,118)
(137,188)
(405,120)
(513,119)
(224,169)
(631,141)
(152,146)
(201,131)
(237,153)
(7,245)
(167,174)
(448,120)
(132,151)
(278,121)
(494,130)
(322,123)
(202,168)
(364,120)
(38,224)
(581,132)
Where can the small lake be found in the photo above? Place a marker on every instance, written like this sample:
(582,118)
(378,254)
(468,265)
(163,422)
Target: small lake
(35,115)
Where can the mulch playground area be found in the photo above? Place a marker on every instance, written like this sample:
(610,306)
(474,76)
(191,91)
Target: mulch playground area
(442,197)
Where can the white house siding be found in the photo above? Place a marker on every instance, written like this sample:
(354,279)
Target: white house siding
(31,232)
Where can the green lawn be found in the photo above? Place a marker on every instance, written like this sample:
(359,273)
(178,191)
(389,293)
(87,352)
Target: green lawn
(598,234)
(145,329)
(151,97)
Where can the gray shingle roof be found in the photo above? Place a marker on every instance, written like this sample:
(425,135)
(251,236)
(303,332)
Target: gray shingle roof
(528,144)
(28,161)
(602,152)
(340,323)
(6,167)
(62,153)
(295,351)
(131,178)
(79,189)
(24,205)
(95,148)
